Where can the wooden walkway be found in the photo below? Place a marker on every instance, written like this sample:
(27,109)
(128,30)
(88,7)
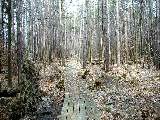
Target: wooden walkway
(78,105)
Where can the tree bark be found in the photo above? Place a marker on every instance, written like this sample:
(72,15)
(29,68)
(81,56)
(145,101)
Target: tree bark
(9,43)
(19,39)
(117,32)
(105,31)
(85,39)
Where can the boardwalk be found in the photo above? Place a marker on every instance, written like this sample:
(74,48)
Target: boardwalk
(78,105)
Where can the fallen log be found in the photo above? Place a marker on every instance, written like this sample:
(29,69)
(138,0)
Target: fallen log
(10,93)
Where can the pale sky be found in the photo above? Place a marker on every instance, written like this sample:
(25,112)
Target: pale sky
(72,5)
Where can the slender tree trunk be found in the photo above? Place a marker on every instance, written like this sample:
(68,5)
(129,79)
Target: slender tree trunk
(150,34)
(118,37)
(126,40)
(105,29)
(89,35)
(158,27)
(9,43)
(19,39)
(85,39)
(140,31)
(2,10)
(62,37)
(99,32)
(1,30)
(156,44)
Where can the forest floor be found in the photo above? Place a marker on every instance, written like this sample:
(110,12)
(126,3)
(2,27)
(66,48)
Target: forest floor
(128,92)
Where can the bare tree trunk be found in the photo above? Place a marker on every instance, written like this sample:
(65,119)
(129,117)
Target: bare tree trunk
(19,39)
(62,37)
(156,44)
(118,37)
(140,31)
(126,40)
(99,32)
(1,31)
(85,39)
(105,29)
(158,27)
(9,43)
(2,16)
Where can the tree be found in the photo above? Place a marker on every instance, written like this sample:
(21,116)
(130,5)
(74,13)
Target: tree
(19,38)
(85,38)
(105,32)
(1,41)
(99,31)
(9,42)
(117,32)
